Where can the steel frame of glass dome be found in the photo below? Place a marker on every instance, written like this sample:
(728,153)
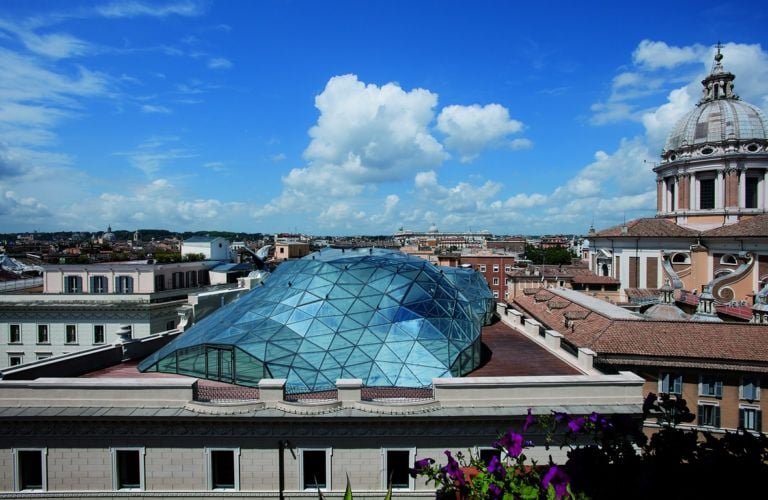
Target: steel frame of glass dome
(388,318)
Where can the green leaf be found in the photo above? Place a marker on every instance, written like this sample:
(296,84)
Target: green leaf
(388,496)
(348,491)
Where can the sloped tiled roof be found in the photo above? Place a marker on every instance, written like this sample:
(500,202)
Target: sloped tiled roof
(647,228)
(724,344)
(756,226)
(593,279)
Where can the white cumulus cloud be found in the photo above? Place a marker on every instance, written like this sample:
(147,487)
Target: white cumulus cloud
(470,129)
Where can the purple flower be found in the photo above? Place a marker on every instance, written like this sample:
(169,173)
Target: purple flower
(594,417)
(576,424)
(512,442)
(495,467)
(559,480)
(453,470)
(560,416)
(529,420)
(419,466)
(494,491)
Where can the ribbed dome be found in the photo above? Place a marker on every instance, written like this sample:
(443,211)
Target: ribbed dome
(718,121)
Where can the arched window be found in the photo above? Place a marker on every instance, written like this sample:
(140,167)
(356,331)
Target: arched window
(681,258)
(728,260)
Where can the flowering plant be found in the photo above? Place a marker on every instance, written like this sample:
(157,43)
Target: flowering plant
(609,458)
(509,474)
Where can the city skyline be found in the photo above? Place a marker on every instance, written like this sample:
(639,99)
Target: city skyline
(346,118)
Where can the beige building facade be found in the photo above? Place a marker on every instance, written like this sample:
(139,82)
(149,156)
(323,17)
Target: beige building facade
(114,432)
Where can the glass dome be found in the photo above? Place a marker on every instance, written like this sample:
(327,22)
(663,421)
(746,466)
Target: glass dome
(385,317)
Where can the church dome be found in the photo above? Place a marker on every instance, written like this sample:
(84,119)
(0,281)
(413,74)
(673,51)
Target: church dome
(721,122)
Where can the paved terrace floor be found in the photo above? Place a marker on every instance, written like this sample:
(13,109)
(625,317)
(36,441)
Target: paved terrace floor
(506,352)
(509,353)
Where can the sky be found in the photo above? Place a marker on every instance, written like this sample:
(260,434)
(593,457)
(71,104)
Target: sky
(350,117)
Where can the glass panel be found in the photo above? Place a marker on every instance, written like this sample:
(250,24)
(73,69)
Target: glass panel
(313,463)
(222,469)
(128,469)
(398,463)
(30,469)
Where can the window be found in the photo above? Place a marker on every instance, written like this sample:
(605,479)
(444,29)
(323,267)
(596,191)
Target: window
(159,283)
(177,280)
(680,258)
(495,294)
(709,385)
(170,324)
(751,419)
(706,193)
(43,355)
(70,334)
(495,281)
(750,192)
(123,284)
(128,468)
(191,278)
(14,334)
(671,383)
(224,469)
(15,358)
(99,284)
(728,260)
(42,334)
(507,268)
(315,469)
(495,268)
(506,294)
(709,415)
(202,277)
(98,334)
(73,284)
(482,268)
(29,465)
(749,389)
(396,466)
(486,454)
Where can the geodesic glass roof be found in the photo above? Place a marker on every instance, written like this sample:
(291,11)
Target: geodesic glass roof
(382,316)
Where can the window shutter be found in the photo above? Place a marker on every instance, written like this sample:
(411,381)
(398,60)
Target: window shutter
(719,388)
(700,415)
(741,418)
(678,384)
(759,421)
(717,416)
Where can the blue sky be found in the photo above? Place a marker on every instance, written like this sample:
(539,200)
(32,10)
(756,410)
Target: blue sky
(351,117)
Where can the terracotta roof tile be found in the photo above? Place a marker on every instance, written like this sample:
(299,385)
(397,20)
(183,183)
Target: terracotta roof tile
(756,226)
(592,279)
(724,343)
(648,227)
